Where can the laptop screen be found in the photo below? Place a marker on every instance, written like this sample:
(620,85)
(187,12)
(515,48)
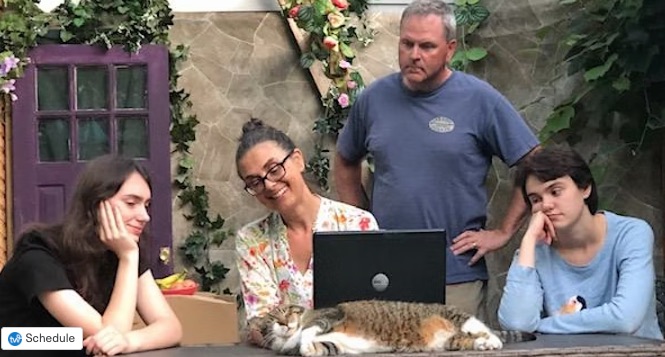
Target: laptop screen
(398,265)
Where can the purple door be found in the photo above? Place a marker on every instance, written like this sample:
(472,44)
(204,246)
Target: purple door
(77,102)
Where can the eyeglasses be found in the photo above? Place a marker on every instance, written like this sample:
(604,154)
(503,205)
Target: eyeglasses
(256,185)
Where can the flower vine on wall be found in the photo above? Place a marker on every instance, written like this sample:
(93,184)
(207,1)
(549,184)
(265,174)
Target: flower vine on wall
(11,68)
(334,27)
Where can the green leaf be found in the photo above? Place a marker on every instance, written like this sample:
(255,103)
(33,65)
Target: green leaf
(475,53)
(306,14)
(321,6)
(621,84)
(218,237)
(599,71)
(478,13)
(472,2)
(346,50)
(78,22)
(557,121)
(186,162)
(460,2)
(123,9)
(65,36)
(567,2)
(307,60)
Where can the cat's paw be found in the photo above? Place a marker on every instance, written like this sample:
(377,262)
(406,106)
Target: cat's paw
(489,342)
(312,349)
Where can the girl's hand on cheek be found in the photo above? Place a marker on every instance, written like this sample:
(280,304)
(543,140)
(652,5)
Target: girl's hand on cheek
(112,231)
(541,228)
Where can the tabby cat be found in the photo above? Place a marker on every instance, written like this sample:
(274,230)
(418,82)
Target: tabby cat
(376,326)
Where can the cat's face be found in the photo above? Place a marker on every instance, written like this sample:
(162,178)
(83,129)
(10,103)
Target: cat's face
(280,325)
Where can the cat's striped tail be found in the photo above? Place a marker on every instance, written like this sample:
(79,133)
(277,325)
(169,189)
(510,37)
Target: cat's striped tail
(514,336)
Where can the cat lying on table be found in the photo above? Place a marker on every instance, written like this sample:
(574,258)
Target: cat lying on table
(377,326)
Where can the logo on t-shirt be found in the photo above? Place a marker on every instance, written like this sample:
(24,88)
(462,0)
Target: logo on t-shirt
(442,125)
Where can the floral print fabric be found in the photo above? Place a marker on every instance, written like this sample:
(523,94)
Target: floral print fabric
(268,275)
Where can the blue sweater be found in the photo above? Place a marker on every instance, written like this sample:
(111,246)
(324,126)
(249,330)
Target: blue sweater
(617,285)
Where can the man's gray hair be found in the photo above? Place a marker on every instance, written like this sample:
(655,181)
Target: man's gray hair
(433,7)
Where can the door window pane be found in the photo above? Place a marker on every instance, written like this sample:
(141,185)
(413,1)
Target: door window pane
(52,88)
(133,137)
(92,88)
(93,138)
(53,139)
(131,87)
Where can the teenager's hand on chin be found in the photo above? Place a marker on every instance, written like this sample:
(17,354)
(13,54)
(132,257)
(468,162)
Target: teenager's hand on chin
(541,228)
(106,342)
(113,233)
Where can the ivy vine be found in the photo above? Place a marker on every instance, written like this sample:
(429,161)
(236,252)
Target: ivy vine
(617,47)
(130,23)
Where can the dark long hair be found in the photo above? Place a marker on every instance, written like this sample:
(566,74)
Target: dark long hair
(91,267)
(553,162)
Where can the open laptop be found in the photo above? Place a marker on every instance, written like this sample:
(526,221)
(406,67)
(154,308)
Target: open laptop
(398,265)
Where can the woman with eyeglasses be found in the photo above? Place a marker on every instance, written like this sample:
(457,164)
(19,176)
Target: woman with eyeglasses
(275,252)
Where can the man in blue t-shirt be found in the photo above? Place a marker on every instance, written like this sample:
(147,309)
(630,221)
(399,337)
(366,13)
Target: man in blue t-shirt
(432,133)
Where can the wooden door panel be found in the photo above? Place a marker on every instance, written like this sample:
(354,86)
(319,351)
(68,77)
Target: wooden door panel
(42,189)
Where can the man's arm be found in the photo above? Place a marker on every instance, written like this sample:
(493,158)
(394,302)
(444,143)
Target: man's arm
(348,180)
(486,241)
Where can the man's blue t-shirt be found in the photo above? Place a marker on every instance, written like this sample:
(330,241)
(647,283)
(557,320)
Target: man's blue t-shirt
(432,152)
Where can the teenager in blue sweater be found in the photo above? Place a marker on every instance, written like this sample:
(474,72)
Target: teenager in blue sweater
(578,270)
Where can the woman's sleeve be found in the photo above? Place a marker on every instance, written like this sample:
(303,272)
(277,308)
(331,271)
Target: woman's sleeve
(259,290)
(627,309)
(522,302)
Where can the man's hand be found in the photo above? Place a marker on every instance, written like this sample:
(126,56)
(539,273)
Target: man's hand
(481,241)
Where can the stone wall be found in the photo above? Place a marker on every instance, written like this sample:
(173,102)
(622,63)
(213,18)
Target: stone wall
(245,64)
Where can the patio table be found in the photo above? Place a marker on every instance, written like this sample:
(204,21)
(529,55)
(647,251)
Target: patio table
(545,346)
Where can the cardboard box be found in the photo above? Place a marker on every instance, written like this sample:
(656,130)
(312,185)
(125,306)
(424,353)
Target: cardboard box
(207,319)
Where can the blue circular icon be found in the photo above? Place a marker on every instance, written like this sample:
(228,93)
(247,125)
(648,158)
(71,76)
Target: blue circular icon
(14,338)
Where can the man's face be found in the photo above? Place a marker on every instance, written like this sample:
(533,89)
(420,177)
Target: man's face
(424,52)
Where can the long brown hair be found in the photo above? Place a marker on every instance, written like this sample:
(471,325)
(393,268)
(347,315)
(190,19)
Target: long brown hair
(91,267)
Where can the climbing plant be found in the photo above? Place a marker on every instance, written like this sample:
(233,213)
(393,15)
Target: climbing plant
(129,23)
(334,27)
(469,15)
(617,47)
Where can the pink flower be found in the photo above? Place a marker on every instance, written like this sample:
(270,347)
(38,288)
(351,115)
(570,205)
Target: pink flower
(364,224)
(8,64)
(330,43)
(293,13)
(13,96)
(336,19)
(351,84)
(344,64)
(341,4)
(8,86)
(343,100)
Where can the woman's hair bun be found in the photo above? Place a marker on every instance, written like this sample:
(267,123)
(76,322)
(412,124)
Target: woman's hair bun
(252,124)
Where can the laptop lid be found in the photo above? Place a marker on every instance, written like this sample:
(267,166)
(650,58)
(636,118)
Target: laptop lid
(398,265)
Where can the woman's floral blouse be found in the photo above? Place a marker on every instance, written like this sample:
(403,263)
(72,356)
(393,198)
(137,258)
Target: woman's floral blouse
(268,276)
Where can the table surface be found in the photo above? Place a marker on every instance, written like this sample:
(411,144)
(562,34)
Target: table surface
(544,345)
